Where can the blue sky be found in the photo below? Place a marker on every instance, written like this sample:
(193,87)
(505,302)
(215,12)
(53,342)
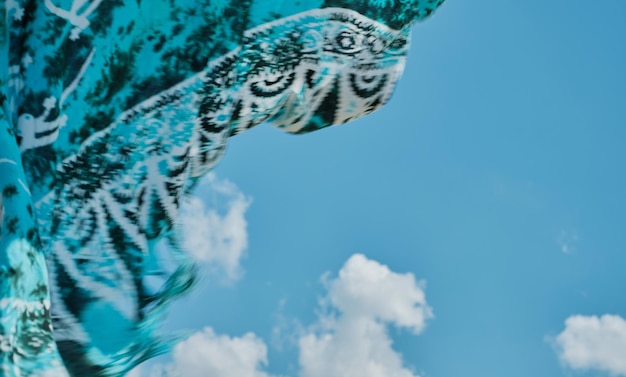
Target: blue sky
(495,176)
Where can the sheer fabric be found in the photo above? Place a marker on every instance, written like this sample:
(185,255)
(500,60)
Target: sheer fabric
(111,111)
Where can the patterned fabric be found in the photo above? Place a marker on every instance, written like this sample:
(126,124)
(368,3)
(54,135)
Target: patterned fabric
(112,109)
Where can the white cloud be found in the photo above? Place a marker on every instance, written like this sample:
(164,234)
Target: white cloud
(208,354)
(212,237)
(368,289)
(591,342)
(367,296)
(349,339)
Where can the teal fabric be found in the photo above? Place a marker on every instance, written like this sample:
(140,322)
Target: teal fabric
(112,109)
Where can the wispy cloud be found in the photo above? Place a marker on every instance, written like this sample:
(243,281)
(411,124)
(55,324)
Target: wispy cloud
(593,343)
(213,226)
(351,338)
(567,240)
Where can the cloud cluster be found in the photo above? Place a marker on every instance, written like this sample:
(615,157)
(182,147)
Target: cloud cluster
(352,339)
(212,237)
(591,342)
(349,339)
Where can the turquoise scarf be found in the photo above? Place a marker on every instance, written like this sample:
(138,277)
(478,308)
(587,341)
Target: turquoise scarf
(112,110)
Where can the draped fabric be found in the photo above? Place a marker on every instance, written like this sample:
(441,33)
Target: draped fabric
(111,111)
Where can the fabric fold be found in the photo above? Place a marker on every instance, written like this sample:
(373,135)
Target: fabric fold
(113,109)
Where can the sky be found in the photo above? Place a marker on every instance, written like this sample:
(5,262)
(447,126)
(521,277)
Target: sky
(474,226)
